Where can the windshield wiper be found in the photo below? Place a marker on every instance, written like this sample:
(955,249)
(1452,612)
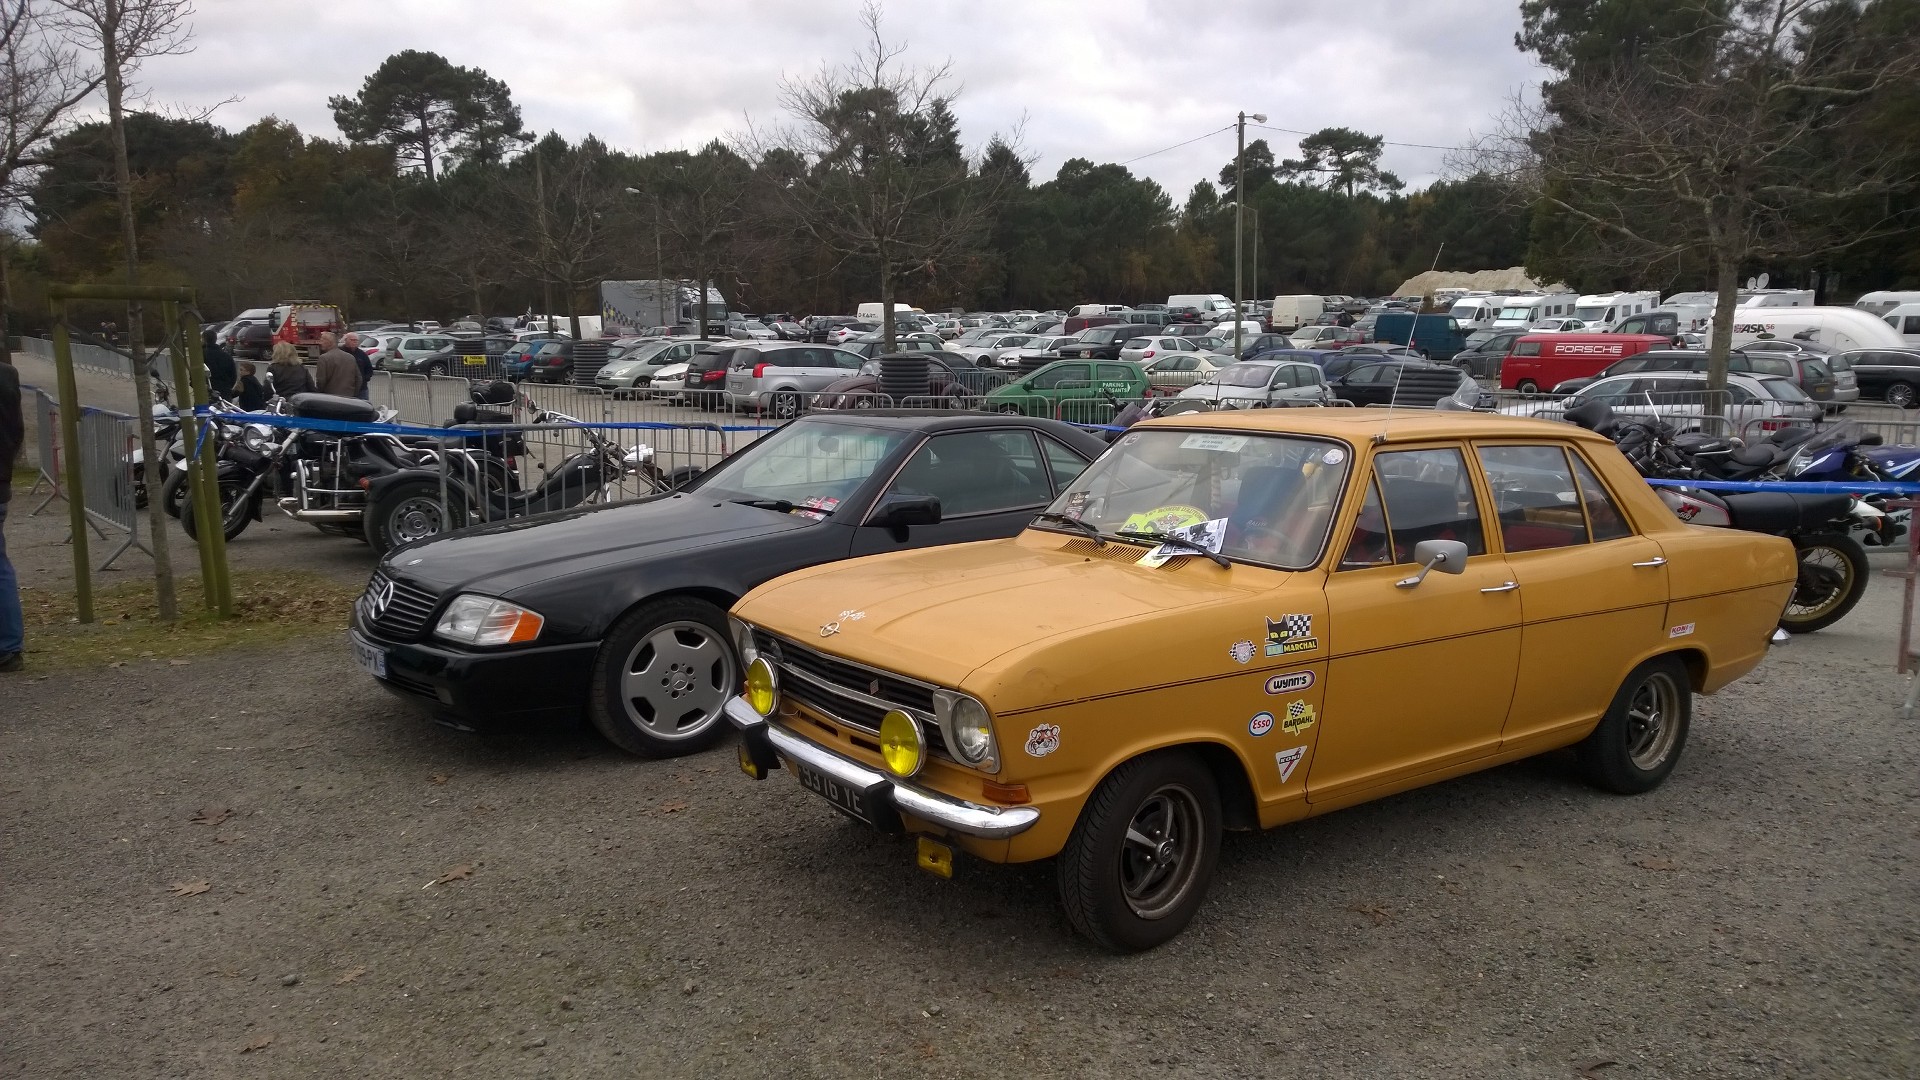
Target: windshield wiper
(1178,541)
(1099,539)
(777,505)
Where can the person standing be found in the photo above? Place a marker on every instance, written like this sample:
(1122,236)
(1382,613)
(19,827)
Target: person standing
(287,375)
(13,432)
(220,373)
(253,396)
(351,345)
(335,372)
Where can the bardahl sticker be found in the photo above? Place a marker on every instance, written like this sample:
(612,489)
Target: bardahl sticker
(1290,683)
(1043,740)
(1260,724)
(1299,718)
(1287,759)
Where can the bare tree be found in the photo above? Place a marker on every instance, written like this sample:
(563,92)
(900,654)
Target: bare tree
(571,200)
(701,202)
(42,80)
(1746,141)
(881,174)
(124,33)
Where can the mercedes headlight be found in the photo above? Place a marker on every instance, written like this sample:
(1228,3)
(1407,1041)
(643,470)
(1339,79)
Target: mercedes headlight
(743,641)
(968,728)
(484,620)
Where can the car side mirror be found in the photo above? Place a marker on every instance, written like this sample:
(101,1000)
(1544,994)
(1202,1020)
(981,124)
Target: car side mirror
(1446,556)
(900,511)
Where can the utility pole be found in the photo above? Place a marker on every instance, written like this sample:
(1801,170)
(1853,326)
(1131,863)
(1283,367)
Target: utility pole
(1239,218)
(1436,256)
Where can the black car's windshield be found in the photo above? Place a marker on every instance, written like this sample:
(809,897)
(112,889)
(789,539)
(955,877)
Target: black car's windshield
(813,465)
(1258,498)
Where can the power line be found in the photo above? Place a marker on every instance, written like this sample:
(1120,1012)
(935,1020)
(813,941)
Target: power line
(1388,142)
(1177,145)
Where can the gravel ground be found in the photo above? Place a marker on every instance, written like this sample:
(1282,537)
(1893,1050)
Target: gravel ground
(386,897)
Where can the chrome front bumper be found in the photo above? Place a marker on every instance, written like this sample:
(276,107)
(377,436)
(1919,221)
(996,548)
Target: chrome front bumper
(765,739)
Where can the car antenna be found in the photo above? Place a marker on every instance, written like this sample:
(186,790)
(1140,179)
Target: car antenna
(1393,401)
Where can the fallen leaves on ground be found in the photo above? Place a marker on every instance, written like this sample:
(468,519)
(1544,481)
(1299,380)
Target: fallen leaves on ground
(1656,864)
(1593,1068)
(349,975)
(1378,914)
(229,838)
(454,873)
(672,807)
(190,888)
(438,778)
(260,1043)
(210,815)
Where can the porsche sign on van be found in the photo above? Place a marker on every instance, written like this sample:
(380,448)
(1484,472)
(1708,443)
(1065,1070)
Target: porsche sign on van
(1543,361)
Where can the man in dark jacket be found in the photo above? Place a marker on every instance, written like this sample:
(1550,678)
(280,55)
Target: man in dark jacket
(335,372)
(13,432)
(351,344)
(220,373)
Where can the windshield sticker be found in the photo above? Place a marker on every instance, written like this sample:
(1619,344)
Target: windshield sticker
(1334,456)
(1291,634)
(1241,651)
(1299,718)
(1260,724)
(1287,759)
(1291,683)
(1232,444)
(1164,519)
(1043,740)
(1076,505)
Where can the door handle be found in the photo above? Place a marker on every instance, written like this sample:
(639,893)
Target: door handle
(1655,561)
(1508,587)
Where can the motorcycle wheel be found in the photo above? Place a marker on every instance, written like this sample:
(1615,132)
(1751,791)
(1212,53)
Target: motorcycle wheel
(235,511)
(173,493)
(1832,578)
(410,510)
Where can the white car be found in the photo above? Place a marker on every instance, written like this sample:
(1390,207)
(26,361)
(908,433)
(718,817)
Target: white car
(1679,398)
(1139,350)
(1177,371)
(1263,382)
(1557,326)
(1044,346)
(669,383)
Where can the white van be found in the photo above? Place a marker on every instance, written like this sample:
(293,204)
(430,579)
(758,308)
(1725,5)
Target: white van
(1605,309)
(1838,328)
(1776,298)
(1204,303)
(1478,311)
(1518,311)
(871,312)
(1290,313)
(1877,302)
(1905,320)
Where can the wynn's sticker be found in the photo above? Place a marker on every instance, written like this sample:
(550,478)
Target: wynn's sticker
(1290,683)
(1241,651)
(1299,718)
(1287,759)
(1231,444)
(1260,724)
(1043,740)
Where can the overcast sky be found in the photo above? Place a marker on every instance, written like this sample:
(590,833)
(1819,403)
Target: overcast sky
(1111,81)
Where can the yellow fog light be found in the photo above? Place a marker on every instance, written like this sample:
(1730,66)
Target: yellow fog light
(901,744)
(762,687)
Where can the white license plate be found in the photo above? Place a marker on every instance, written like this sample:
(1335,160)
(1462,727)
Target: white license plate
(372,660)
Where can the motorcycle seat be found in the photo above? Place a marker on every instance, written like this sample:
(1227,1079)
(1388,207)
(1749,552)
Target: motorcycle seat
(333,407)
(468,413)
(1764,455)
(1781,512)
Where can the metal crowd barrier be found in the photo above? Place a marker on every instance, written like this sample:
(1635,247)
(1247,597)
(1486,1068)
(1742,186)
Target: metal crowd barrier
(1891,432)
(1692,410)
(106,447)
(47,437)
(91,357)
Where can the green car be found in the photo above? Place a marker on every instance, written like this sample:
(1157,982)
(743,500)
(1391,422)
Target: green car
(1077,391)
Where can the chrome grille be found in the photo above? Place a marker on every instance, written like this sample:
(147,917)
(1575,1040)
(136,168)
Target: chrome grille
(396,609)
(853,694)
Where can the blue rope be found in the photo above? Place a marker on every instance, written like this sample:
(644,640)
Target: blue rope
(1800,487)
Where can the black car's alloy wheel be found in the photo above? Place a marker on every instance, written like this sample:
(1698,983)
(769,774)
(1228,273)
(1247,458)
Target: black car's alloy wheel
(664,673)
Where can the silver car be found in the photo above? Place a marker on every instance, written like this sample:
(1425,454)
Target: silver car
(1140,350)
(634,372)
(778,377)
(1680,398)
(1263,382)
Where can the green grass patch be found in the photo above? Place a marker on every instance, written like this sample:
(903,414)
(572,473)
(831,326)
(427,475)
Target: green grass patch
(270,607)
(23,478)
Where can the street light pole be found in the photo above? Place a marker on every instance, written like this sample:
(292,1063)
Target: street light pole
(1239,217)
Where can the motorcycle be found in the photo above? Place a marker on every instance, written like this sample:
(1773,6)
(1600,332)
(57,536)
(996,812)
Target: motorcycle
(1833,568)
(414,504)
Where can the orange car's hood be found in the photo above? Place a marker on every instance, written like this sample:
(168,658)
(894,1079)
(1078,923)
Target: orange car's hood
(1018,621)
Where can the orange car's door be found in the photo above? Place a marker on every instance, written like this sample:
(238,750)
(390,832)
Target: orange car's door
(1418,678)
(1593,592)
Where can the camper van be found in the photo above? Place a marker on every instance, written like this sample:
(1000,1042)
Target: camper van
(1477,312)
(1605,309)
(1519,311)
(1445,297)
(1840,329)
(1905,320)
(1882,302)
(1750,298)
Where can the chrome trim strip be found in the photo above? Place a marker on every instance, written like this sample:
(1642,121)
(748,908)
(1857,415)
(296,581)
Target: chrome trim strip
(958,815)
(867,699)
(787,641)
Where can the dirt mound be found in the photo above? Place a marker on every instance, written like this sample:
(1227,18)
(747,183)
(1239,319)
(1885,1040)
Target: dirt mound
(1514,278)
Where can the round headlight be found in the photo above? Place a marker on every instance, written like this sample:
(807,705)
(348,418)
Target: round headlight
(972,730)
(255,439)
(901,744)
(763,689)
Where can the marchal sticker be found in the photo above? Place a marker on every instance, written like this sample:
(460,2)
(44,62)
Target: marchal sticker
(1260,724)
(1291,683)
(1290,634)
(1043,740)
(1241,651)
(1299,718)
(1682,630)
(1287,759)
